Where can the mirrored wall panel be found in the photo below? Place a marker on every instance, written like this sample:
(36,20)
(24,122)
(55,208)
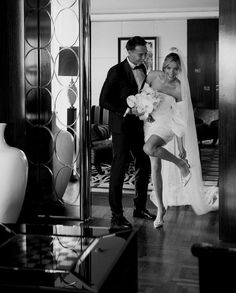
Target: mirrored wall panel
(55,122)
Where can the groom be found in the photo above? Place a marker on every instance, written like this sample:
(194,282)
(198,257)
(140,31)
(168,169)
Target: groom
(124,79)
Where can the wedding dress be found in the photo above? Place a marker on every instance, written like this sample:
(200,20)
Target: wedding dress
(203,199)
(167,119)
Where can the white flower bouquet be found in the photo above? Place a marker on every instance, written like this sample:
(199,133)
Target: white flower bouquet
(144,102)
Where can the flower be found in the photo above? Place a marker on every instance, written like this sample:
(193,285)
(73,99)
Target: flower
(144,102)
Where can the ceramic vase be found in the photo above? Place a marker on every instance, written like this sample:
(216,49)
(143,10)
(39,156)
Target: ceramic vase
(62,159)
(13,179)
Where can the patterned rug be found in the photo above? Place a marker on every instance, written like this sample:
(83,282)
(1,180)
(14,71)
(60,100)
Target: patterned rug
(100,183)
(210,171)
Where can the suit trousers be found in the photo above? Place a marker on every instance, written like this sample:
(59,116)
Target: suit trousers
(123,144)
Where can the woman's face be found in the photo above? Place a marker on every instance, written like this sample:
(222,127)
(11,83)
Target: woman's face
(171,70)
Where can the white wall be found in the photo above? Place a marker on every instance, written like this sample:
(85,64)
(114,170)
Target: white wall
(136,6)
(104,43)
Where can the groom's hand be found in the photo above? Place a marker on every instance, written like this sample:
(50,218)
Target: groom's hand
(133,111)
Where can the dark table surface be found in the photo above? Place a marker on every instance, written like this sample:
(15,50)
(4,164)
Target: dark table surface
(59,257)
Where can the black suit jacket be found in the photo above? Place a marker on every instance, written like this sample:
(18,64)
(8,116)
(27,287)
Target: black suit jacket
(119,84)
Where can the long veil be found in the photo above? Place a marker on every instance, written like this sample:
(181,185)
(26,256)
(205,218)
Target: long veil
(202,199)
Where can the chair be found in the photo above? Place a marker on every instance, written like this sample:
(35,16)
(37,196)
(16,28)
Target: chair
(101,145)
(207,121)
(216,267)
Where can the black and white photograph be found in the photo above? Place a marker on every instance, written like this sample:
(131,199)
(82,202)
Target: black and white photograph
(117,147)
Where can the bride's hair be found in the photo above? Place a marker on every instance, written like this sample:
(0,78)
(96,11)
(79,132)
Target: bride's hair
(171,57)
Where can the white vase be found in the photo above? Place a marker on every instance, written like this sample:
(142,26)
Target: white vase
(13,179)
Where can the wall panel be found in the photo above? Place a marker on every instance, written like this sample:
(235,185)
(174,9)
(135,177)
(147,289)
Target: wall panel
(227,106)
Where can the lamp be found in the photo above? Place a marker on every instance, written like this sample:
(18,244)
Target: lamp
(68,66)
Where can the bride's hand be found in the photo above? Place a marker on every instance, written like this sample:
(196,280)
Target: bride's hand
(182,153)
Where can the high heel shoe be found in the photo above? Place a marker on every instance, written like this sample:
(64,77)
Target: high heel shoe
(187,163)
(159,223)
(186,179)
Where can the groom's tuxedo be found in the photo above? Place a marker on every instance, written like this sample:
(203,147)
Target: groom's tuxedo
(119,84)
(127,135)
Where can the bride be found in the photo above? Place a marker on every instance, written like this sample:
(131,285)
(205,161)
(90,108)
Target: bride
(172,145)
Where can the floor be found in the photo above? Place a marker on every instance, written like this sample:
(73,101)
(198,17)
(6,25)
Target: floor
(165,261)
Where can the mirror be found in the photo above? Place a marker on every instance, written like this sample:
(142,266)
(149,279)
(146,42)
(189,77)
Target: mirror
(54,86)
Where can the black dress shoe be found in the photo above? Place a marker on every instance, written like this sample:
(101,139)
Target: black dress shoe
(143,214)
(119,223)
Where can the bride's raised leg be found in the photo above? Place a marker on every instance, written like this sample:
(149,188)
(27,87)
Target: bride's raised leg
(156,195)
(154,148)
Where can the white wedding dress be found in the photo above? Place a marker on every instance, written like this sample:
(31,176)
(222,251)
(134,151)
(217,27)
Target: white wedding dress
(167,119)
(203,199)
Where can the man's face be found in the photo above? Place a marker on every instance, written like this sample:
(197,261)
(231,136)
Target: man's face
(138,55)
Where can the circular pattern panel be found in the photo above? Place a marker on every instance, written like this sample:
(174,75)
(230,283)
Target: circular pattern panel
(32,37)
(39,144)
(66,33)
(34,75)
(37,4)
(38,106)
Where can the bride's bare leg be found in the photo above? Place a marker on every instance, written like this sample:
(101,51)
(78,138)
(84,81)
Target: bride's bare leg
(154,148)
(157,185)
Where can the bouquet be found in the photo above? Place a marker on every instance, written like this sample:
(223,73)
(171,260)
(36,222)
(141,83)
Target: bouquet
(145,102)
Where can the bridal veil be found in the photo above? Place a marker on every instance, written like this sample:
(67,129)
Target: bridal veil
(202,199)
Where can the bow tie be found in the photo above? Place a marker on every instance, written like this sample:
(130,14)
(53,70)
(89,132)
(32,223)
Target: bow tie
(141,66)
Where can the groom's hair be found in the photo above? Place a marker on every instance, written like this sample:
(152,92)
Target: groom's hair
(135,41)
(170,58)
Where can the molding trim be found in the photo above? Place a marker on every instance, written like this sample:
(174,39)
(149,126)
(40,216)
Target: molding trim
(154,16)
